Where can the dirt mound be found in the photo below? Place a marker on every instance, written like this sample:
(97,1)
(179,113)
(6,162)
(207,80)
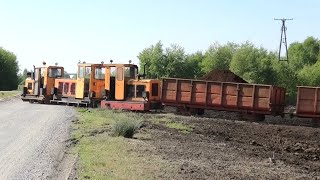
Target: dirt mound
(223,76)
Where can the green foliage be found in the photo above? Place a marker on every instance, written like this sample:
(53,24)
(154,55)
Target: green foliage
(22,77)
(179,126)
(253,64)
(218,56)
(125,126)
(171,62)
(175,60)
(310,75)
(286,77)
(153,56)
(193,65)
(302,54)
(8,70)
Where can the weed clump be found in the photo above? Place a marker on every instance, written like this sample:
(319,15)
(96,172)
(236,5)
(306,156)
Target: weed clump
(126,125)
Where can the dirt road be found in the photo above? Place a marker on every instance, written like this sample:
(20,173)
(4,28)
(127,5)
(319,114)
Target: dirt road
(32,139)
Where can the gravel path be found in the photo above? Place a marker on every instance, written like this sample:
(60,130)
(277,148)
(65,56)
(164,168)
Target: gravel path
(32,139)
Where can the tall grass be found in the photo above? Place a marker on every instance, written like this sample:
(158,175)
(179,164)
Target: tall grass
(126,124)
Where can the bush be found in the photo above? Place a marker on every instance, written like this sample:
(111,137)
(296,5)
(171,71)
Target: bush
(125,125)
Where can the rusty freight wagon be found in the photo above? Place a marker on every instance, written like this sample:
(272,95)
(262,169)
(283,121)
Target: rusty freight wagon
(195,96)
(308,102)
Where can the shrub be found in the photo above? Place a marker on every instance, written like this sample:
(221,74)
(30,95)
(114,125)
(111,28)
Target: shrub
(125,125)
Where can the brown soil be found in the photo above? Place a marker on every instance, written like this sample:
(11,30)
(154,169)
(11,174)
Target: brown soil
(223,76)
(224,148)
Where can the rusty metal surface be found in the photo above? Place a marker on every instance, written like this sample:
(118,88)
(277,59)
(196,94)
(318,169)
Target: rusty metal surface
(125,105)
(308,102)
(265,99)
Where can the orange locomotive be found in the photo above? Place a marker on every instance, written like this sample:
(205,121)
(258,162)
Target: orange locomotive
(116,86)
(38,87)
(85,90)
(124,89)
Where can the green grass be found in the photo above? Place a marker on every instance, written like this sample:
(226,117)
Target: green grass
(7,94)
(126,126)
(104,156)
(179,126)
(158,120)
(171,123)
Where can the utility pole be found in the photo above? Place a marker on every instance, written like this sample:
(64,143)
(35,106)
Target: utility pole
(283,39)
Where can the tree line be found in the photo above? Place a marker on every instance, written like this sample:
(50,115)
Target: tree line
(9,69)
(253,64)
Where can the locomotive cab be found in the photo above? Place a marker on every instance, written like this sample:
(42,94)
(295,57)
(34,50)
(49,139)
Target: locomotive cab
(86,89)
(38,87)
(125,90)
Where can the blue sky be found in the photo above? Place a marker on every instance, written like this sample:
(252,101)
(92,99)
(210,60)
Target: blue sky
(92,31)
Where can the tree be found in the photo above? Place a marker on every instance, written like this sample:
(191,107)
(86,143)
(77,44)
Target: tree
(252,64)
(310,75)
(160,63)
(286,77)
(302,54)
(22,77)
(193,65)
(154,57)
(218,56)
(8,70)
(175,59)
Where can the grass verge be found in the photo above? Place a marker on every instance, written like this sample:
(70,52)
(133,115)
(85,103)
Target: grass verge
(172,124)
(7,94)
(105,156)
(126,127)
(179,126)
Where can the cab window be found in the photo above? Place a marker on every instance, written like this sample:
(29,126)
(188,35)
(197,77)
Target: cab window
(139,90)
(54,73)
(81,72)
(130,72)
(130,91)
(42,71)
(29,86)
(99,73)
(113,71)
(87,72)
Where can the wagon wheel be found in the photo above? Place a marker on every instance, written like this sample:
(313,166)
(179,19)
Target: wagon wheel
(196,111)
(315,122)
(200,112)
(184,111)
(251,117)
(259,117)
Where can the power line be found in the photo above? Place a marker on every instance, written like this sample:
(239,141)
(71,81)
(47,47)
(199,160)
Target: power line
(283,39)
